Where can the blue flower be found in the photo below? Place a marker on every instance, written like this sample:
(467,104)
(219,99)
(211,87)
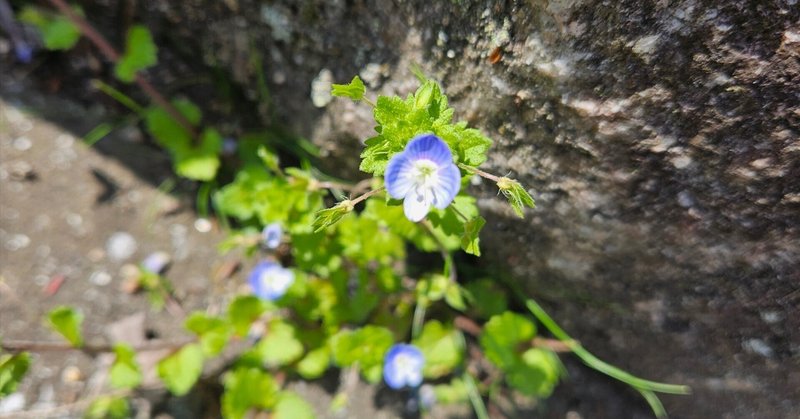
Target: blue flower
(423,175)
(156,262)
(402,366)
(271,235)
(270,280)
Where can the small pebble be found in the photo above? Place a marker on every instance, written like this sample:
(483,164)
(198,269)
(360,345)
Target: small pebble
(120,246)
(202,225)
(71,374)
(96,255)
(100,278)
(22,143)
(14,402)
(17,242)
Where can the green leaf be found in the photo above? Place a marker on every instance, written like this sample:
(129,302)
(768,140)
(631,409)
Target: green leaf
(501,335)
(12,370)
(168,132)
(454,297)
(315,363)
(214,332)
(108,407)
(243,311)
(517,196)
(181,370)
(125,372)
(455,392)
(291,406)
(470,240)
(433,288)
(246,388)
(58,32)
(280,346)
(67,321)
(536,373)
(486,297)
(330,216)
(367,346)
(354,90)
(442,347)
(200,162)
(140,53)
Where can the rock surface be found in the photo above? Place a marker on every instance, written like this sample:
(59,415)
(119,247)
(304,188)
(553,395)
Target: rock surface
(660,140)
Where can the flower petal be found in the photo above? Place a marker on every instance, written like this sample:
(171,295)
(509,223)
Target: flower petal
(429,147)
(448,186)
(397,177)
(417,203)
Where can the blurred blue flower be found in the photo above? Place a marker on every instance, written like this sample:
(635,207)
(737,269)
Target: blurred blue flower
(402,366)
(271,235)
(423,175)
(270,280)
(156,262)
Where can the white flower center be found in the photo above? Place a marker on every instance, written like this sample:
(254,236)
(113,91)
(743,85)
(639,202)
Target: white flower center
(425,174)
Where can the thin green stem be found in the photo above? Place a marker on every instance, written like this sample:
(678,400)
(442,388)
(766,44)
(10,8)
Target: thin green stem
(475,397)
(654,402)
(419,319)
(369,102)
(448,269)
(592,361)
(120,97)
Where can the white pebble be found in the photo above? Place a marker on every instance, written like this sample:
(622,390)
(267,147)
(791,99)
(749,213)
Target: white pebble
(17,242)
(202,225)
(120,246)
(14,402)
(100,278)
(23,143)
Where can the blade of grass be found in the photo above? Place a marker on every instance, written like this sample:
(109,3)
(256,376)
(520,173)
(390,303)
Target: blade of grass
(475,397)
(589,359)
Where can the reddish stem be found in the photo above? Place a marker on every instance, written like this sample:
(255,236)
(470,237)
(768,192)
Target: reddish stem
(105,47)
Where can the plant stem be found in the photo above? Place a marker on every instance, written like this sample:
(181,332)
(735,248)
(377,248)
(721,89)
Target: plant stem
(592,361)
(479,172)
(419,319)
(37,346)
(105,47)
(365,195)
(449,267)
(475,397)
(120,97)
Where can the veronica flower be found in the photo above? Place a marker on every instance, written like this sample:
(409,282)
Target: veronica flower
(423,175)
(271,235)
(156,262)
(270,280)
(402,366)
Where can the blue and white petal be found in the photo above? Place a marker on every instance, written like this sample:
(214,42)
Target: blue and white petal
(429,147)
(271,235)
(398,176)
(448,186)
(417,204)
(402,366)
(423,175)
(270,281)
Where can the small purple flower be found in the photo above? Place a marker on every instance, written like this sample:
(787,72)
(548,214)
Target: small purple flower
(156,262)
(270,280)
(271,235)
(402,366)
(423,175)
